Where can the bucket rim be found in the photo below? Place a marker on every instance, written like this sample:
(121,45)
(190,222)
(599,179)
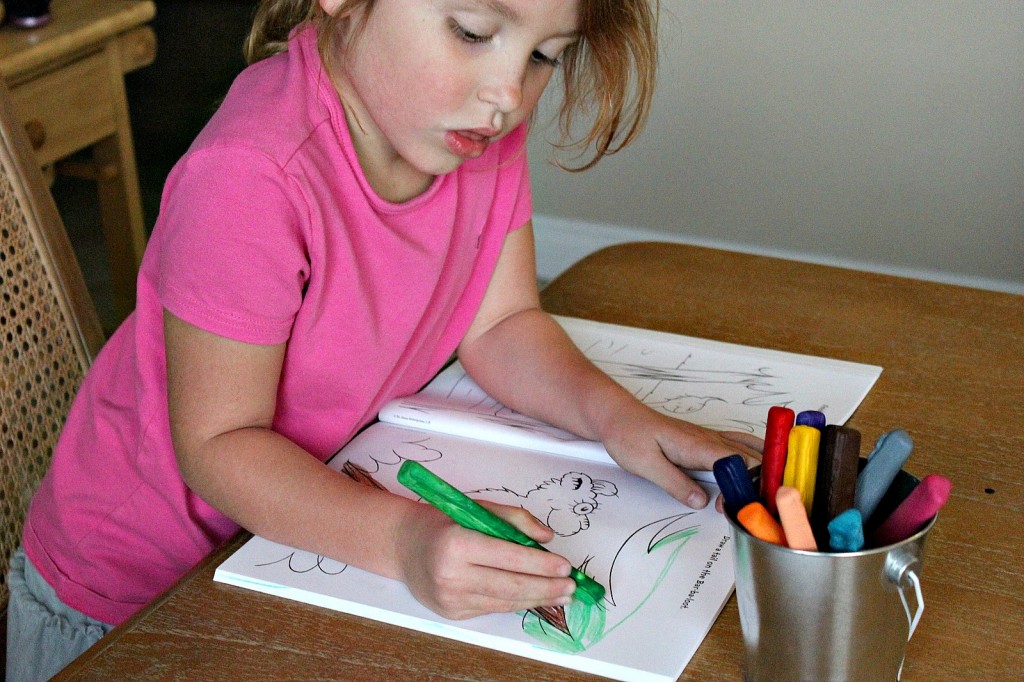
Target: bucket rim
(882,549)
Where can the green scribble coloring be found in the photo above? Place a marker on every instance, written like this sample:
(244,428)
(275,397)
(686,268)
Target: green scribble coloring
(587,621)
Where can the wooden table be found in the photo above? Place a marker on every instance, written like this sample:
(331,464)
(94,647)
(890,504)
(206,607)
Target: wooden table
(953,377)
(67,84)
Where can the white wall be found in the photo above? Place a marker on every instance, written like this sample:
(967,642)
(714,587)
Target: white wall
(884,135)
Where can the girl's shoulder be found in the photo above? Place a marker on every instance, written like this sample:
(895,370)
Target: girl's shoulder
(273,107)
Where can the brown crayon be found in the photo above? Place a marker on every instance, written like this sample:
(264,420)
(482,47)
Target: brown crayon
(837,477)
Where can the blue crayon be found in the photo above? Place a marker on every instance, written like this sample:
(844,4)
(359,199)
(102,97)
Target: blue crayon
(891,450)
(734,480)
(846,532)
(811,418)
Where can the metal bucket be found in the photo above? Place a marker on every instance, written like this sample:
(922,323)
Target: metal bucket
(822,617)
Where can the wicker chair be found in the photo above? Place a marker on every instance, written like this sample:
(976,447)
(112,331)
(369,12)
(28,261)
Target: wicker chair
(49,331)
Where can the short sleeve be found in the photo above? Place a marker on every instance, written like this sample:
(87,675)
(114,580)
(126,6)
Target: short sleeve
(233,251)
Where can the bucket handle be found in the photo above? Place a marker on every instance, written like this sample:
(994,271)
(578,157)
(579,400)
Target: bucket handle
(900,567)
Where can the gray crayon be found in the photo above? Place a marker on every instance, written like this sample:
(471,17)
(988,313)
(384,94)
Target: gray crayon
(891,450)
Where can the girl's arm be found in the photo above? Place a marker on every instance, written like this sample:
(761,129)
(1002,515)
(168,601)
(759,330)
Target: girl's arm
(523,358)
(222,398)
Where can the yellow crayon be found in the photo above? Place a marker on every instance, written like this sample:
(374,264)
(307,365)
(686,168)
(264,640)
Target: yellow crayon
(802,462)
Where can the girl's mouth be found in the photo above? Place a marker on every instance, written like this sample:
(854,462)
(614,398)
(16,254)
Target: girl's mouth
(467,144)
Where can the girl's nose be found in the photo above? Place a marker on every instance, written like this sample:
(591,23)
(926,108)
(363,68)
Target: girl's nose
(504,90)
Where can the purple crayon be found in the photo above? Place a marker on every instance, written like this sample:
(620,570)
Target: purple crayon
(734,480)
(921,504)
(811,418)
(891,450)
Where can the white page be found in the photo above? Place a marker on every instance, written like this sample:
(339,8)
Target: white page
(668,569)
(718,385)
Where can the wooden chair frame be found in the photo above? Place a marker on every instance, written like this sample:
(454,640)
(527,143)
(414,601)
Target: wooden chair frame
(49,331)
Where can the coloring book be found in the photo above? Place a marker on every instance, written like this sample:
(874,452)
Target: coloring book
(667,569)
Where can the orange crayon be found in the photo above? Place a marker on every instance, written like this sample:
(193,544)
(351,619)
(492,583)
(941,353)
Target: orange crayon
(795,524)
(759,523)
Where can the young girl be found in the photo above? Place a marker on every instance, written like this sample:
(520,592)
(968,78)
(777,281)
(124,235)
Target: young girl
(356,211)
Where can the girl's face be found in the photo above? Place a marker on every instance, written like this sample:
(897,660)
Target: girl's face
(427,84)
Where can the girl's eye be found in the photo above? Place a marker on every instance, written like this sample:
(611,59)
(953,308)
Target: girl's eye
(539,57)
(464,34)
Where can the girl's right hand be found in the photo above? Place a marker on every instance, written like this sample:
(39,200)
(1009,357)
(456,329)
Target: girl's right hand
(460,573)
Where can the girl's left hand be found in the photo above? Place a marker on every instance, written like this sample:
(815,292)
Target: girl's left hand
(657,447)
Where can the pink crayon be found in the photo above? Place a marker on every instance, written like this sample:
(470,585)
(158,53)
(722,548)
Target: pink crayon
(921,504)
(794,519)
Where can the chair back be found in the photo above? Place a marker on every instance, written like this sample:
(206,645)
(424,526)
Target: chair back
(49,331)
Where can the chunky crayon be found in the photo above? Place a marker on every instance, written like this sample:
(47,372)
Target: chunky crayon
(773,461)
(802,462)
(921,504)
(470,514)
(762,525)
(846,532)
(885,461)
(794,519)
(811,418)
(901,487)
(734,480)
(837,477)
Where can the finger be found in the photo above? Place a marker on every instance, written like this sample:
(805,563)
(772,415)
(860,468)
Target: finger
(716,445)
(753,443)
(474,573)
(488,552)
(521,519)
(502,576)
(502,591)
(666,475)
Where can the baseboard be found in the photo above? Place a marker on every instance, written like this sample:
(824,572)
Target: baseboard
(561,242)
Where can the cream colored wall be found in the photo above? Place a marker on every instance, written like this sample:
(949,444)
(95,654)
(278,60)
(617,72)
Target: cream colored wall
(889,135)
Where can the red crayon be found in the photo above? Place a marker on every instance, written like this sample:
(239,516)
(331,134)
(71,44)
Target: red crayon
(773,461)
(921,504)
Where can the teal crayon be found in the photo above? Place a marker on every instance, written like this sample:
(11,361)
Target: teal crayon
(846,532)
(891,450)
(470,514)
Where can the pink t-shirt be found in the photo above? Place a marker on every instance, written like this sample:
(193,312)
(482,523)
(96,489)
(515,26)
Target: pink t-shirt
(268,233)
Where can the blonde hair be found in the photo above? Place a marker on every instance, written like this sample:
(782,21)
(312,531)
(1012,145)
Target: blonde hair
(608,75)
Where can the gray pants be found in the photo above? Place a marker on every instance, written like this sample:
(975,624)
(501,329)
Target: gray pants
(43,633)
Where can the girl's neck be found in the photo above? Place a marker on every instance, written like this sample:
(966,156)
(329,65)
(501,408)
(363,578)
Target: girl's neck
(390,176)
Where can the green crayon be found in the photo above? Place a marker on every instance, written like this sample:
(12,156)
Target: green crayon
(470,514)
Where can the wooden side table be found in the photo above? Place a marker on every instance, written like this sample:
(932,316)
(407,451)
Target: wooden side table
(67,84)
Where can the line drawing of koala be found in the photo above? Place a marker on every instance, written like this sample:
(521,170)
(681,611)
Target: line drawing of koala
(564,504)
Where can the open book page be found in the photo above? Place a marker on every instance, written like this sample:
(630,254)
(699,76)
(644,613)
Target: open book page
(667,569)
(718,385)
